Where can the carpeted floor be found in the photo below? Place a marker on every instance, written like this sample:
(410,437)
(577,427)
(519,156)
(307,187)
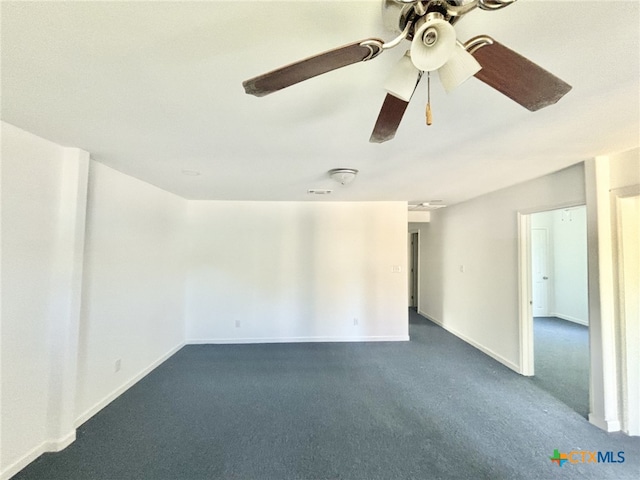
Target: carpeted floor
(432,408)
(561,350)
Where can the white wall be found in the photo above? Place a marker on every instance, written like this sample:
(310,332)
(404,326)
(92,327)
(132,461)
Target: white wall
(133,293)
(92,271)
(567,230)
(624,168)
(296,271)
(43,206)
(469,261)
(571,301)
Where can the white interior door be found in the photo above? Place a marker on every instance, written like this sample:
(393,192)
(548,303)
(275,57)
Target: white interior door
(540,271)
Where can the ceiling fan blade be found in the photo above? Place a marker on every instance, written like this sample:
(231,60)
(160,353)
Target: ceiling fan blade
(389,119)
(313,66)
(518,78)
(390,115)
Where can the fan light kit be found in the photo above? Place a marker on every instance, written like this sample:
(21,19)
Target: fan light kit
(429,26)
(433,42)
(343,176)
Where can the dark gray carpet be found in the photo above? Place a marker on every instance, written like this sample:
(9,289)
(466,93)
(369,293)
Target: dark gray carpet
(432,408)
(562,361)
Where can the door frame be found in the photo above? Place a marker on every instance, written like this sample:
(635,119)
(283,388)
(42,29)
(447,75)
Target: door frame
(411,262)
(525,290)
(629,387)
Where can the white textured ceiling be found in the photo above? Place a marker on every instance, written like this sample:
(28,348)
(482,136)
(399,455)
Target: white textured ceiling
(152,88)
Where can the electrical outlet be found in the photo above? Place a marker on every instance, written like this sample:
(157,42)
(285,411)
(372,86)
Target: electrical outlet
(118,365)
(237,323)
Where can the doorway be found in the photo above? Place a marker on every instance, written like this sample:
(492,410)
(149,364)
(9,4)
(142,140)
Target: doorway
(414,249)
(554,299)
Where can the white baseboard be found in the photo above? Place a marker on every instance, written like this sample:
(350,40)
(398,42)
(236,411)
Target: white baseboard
(569,318)
(44,447)
(25,460)
(123,388)
(222,341)
(473,343)
(61,443)
(606,425)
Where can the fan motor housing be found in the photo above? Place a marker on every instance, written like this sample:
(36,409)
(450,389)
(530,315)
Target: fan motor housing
(396,14)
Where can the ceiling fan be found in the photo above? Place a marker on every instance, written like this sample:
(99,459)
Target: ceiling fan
(429,26)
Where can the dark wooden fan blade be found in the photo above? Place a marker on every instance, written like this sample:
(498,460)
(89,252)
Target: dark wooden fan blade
(518,78)
(313,66)
(389,119)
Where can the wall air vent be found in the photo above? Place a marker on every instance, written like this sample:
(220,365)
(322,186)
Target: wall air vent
(319,191)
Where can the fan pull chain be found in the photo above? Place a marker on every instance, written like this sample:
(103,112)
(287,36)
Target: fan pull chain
(428,112)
